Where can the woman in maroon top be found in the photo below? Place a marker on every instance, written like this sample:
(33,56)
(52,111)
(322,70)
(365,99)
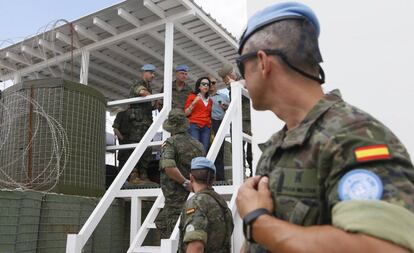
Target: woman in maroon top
(198,110)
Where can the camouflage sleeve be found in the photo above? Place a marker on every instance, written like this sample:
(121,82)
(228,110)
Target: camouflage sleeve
(167,155)
(196,221)
(367,162)
(138,89)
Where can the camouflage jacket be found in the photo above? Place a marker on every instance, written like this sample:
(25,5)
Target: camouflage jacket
(306,163)
(123,125)
(207,218)
(178,151)
(141,113)
(179,96)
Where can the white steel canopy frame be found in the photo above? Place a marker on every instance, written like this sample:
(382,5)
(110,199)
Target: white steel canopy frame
(106,50)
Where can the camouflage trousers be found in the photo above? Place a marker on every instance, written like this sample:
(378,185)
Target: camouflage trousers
(167,219)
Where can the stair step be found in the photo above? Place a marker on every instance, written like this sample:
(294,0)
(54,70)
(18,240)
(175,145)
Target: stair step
(147,249)
(151,225)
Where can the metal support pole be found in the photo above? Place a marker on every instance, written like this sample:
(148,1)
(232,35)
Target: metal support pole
(136,206)
(84,67)
(237,135)
(168,67)
(17,78)
(237,158)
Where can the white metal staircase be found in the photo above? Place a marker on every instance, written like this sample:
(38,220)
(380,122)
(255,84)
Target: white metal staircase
(233,115)
(139,231)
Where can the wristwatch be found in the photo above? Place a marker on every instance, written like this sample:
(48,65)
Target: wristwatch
(248,222)
(186,183)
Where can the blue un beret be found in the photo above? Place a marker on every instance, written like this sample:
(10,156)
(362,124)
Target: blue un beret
(148,67)
(202,163)
(182,68)
(278,12)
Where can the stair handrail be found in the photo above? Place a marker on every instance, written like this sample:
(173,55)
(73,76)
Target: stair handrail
(233,115)
(76,242)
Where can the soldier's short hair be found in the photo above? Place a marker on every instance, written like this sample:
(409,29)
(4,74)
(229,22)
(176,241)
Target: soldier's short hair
(297,39)
(203,176)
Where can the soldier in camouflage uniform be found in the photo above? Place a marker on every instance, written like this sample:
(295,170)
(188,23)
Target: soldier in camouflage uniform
(206,222)
(122,128)
(334,179)
(140,116)
(228,75)
(176,155)
(180,89)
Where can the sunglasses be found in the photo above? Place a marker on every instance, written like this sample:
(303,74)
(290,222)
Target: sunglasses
(204,84)
(242,58)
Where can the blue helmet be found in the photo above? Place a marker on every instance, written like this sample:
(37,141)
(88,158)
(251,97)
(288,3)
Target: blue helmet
(182,68)
(148,67)
(199,163)
(275,13)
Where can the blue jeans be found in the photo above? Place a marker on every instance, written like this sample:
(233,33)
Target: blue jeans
(202,134)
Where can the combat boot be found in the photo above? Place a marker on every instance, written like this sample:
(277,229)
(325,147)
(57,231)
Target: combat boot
(134,178)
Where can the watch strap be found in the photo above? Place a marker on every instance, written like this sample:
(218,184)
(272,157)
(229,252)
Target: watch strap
(248,220)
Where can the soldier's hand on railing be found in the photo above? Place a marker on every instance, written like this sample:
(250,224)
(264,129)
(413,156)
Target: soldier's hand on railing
(144,93)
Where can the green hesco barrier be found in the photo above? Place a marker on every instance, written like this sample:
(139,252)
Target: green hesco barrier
(66,214)
(65,122)
(109,235)
(19,220)
(62,215)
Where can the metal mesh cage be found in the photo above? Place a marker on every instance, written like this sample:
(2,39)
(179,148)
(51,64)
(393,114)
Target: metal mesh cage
(52,137)
(19,220)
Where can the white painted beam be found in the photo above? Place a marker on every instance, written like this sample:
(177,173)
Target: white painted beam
(8,65)
(93,36)
(83,77)
(129,17)
(168,64)
(104,26)
(50,46)
(46,44)
(32,52)
(17,58)
(209,22)
(133,20)
(154,8)
(100,44)
(87,33)
(201,43)
(122,66)
(110,72)
(186,55)
(64,38)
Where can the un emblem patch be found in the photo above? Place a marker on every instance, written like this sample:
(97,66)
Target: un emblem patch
(360,184)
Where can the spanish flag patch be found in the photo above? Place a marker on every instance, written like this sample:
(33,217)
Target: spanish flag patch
(374,152)
(190,210)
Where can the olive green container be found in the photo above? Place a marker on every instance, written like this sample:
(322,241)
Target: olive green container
(53,137)
(19,220)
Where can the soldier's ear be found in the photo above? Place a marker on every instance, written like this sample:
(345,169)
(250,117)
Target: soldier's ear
(191,178)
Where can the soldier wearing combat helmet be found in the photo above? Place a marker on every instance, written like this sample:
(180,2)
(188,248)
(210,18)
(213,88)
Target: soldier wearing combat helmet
(176,155)
(334,179)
